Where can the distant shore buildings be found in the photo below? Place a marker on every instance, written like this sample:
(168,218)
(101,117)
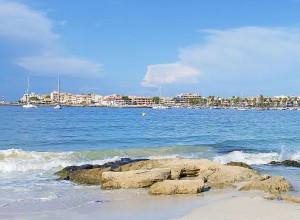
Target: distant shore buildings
(181,100)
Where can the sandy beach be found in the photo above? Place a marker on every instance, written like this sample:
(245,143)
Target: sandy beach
(213,205)
(245,206)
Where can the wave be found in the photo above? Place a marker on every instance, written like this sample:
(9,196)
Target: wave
(18,160)
(248,158)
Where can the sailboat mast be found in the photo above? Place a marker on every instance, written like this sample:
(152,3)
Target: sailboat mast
(58,90)
(27,91)
(159,94)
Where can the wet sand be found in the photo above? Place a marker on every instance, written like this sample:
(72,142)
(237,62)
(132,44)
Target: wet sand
(137,204)
(245,206)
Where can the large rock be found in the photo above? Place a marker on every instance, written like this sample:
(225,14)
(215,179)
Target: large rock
(274,185)
(85,173)
(204,169)
(290,163)
(134,179)
(170,187)
(141,174)
(229,174)
(89,177)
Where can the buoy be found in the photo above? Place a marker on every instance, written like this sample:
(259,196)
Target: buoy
(144,114)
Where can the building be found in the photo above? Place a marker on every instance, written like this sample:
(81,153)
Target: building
(186,98)
(138,100)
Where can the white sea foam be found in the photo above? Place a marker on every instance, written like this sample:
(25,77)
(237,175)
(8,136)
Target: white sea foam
(249,158)
(17,160)
(296,156)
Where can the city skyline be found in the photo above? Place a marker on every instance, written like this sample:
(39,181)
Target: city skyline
(221,48)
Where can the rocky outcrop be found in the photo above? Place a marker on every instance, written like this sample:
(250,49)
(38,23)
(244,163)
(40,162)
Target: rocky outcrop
(274,185)
(290,163)
(89,177)
(174,176)
(134,179)
(239,164)
(204,169)
(170,187)
(91,174)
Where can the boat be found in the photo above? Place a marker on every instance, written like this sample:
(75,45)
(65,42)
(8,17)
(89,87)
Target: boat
(159,105)
(28,104)
(58,105)
(216,107)
(242,108)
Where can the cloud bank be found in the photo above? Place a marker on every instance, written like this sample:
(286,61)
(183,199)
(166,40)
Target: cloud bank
(246,56)
(33,32)
(160,74)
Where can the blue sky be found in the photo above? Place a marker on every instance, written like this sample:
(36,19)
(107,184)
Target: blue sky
(131,47)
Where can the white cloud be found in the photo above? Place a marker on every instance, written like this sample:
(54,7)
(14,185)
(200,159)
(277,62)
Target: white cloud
(19,22)
(246,52)
(62,65)
(160,74)
(33,31)
(246,56)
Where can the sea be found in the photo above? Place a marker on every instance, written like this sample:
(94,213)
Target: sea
(36,143)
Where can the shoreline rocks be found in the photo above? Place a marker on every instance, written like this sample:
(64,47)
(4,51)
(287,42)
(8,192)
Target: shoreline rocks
(134,179)
(171,187)
(289,163)
(274,185)
(79,173)
(174,176)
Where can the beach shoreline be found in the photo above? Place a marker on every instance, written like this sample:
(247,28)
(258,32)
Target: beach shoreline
(250,205)
(216,204)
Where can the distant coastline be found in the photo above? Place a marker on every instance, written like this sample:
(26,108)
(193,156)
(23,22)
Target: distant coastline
(151,106)
(183,100)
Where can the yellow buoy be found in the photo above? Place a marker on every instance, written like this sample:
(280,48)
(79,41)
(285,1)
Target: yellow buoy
(144,114)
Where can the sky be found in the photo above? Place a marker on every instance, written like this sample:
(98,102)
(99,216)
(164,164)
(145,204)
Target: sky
(132,47)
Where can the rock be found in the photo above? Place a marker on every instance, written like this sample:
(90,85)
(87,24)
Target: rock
(118,163)
(144,173)
(239,164)
(89,177)
(170,187)
(65,173)
(134,179)
(275,185)
(290,163)
(228,174)
(207,170)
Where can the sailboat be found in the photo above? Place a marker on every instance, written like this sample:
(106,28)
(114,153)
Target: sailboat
(58,105)
(159,105)
(28,104)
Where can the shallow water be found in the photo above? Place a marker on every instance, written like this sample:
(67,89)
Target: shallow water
(35,143)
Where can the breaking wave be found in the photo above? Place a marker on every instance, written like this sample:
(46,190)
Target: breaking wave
(248,158)
(18,160)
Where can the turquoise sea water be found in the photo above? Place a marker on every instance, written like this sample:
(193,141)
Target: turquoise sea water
(35,143)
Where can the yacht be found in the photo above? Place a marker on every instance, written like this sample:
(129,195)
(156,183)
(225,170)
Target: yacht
(58,105)
(28,104)
(159,105)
